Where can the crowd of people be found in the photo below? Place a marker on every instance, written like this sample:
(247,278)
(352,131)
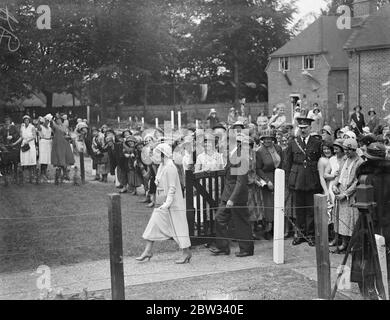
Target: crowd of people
(315,157)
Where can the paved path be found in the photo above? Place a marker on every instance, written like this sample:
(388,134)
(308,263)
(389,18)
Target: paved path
(96,275)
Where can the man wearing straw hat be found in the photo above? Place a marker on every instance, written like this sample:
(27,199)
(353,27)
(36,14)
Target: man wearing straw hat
(302,156)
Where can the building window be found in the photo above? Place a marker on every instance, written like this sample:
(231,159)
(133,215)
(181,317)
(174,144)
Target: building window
(284,64)
(308,63)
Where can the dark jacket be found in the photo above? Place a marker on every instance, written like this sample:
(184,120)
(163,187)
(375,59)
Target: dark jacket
(378,175)
(236,185)
(265,167)
(301,169)
(359,123)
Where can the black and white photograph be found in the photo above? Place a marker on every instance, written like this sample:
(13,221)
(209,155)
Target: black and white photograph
(196,155)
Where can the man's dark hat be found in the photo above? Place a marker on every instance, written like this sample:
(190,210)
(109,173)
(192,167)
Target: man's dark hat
(376,151)
(126,130)
(304,122)
(219,126)
(358,106)
(109,130)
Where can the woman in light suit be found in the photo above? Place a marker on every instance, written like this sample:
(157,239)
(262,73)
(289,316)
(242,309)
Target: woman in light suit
(169,218)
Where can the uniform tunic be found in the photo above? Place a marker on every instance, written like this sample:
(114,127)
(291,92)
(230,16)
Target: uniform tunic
(28,158)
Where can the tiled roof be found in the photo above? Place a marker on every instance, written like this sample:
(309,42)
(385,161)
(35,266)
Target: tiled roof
(321,37)
(374,33)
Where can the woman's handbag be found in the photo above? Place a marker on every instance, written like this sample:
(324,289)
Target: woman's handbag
(25,148)
(161,196)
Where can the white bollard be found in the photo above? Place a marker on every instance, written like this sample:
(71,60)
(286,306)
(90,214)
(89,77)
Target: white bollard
(143,122)
(380,244)
(156,122)
(98,119)
(89,114)
(197,124)
(279,216)
(172,119)
(179,120)
(119,119)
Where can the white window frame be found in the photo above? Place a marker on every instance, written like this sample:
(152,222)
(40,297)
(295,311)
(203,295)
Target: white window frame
(280,63)
(314,62)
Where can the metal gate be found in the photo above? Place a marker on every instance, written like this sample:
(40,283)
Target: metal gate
(203,191)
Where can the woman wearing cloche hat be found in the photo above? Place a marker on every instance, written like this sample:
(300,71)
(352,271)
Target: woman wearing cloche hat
(169,219)
(344,189)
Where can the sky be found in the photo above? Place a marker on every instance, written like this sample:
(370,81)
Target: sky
(307,6)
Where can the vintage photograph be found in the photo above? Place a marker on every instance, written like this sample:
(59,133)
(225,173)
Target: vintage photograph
(194,150)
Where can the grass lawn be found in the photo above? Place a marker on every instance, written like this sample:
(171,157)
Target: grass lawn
(59,225)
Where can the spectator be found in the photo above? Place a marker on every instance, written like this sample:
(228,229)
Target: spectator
(344,190)
(278,120)
(357,120)
(262,121)
(232,117)
(212,118)
(373,120)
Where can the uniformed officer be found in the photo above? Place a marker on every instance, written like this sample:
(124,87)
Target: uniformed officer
(302,155)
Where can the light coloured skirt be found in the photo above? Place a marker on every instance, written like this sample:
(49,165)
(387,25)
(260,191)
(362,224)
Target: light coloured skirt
(162,227)
(45,147)
(348,217)
(29,158)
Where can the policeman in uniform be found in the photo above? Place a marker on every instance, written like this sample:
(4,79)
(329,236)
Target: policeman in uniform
(302,155)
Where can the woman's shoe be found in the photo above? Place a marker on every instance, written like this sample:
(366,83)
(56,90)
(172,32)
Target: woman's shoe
(150,205)
(124,190)
(333,243)
(187,259)
(144,257)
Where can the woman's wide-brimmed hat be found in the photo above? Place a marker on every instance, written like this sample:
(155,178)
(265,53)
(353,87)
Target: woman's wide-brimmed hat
(372,110)
(131,139)
(339,143)
(26,117)
(126,130)
(165,149)
(81,126)
(350,143)
(328,129)
(268,134)
(376,151)
(212,111)
(238,124)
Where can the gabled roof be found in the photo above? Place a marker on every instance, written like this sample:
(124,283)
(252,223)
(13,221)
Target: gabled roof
(374,33)
(321,37)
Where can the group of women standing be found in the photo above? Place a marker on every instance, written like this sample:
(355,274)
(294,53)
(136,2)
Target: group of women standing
(43,144)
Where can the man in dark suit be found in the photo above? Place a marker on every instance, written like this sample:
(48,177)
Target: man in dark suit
(357,120)
(302,156)
(234,203)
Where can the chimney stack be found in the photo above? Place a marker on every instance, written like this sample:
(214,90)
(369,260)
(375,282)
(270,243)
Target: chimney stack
(364,8)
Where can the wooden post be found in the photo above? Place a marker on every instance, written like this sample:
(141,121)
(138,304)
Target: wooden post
(279,216)
(189,176)
(156,122)
(322,246)
(380,244)
(116,250)
(82,167)
(172,119)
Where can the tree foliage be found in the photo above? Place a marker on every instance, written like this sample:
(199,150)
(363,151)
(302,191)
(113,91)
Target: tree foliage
(110,52)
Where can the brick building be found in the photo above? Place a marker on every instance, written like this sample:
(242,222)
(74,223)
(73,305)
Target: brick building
(337,68)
